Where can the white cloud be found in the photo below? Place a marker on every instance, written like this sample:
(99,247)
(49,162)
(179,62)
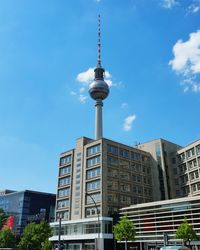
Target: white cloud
(128,121)
(168,4)
(124,105)
(87,77)
(82,98)
(194,7)
(73,93)
(186,61)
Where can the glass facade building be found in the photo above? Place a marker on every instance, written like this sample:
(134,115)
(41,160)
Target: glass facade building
(27,206)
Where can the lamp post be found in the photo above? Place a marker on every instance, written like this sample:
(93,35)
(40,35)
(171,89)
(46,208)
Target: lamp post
(59,232)
(97,217)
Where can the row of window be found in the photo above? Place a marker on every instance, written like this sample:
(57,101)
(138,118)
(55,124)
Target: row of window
(63,192)
(63,204)
(127,154)
(93,161)
(190,153)
(65,170)
(128,165)
(93,150)
(65,160)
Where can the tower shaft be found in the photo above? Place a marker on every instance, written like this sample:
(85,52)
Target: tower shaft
(98,120)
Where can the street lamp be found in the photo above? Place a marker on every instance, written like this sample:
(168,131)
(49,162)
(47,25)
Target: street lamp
(59,232)
(97,217)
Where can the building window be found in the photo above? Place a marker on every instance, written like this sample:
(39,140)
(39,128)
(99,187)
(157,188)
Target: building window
(112,198)
(124,164)
(198,149)
(62,215)
(65,160)
(64,181)
(93,150)
(65,170)
(93,173)
(113,161)
(63,192)
(63,204)
(194,175)
(125,199)
(124,153)
(112,185)
(92,211)
(96,197)
(113,172)
(136,167)
(124,175)
(93,185)
(93,161)
(135,156)
(125,187)
(112,149)
(190,153)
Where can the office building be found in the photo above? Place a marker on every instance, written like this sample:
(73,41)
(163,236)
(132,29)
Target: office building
(155,218)
(187,174)
(96,179)
(164,155)
(27,206)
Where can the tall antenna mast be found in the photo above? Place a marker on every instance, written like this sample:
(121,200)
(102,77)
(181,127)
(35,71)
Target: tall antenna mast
(99,89)
(99,43)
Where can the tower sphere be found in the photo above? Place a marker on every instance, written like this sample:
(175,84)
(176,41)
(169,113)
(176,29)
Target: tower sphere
(99,89)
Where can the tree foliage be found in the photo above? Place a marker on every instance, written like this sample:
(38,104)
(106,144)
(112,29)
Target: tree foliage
(186,232)
(35,236)
(124,230)
(7,238)
(3,217)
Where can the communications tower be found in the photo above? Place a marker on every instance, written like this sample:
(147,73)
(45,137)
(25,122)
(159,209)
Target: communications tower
(99,89)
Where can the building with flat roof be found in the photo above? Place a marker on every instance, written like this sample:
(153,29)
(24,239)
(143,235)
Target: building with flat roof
(187,174)
(155,218)
(164,154)
(27,206)
(95,180)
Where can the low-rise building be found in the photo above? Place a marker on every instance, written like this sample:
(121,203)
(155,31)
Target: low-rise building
(27,206)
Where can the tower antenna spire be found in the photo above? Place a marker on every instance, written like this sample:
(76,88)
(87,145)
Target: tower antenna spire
(99,89)
(99,42)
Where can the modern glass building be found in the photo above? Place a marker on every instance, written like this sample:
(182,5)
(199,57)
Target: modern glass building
(154,219)
(27,206)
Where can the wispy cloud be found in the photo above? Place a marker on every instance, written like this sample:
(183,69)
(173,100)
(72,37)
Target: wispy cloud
(186,61)
(124,105)
(80,95)
(128,121)
(194,7)
(168,4)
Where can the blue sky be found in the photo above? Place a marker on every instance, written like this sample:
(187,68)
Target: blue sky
(48,48)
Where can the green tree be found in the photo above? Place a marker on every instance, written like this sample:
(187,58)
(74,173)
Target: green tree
(186,233)
(47,245)
(3,217)
(35,236)
(7,238)
(124,230)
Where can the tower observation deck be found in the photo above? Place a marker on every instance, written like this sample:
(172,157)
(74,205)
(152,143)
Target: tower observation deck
(99,89)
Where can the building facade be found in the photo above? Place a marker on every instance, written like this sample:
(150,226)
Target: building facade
(187,173)
(164,155)
(27,206)
(154,219)
(95,180)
